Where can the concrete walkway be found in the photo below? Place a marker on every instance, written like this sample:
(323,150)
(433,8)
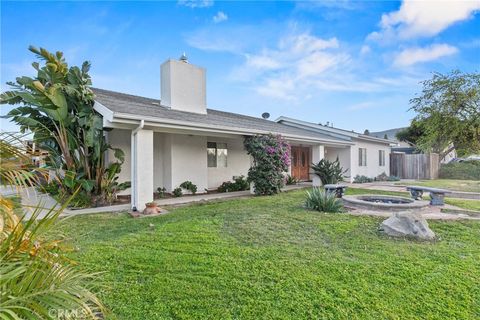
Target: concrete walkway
(32,199)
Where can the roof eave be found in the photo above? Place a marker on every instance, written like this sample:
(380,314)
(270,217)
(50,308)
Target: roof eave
(176,124)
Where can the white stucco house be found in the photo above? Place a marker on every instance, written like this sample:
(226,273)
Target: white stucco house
(178,138)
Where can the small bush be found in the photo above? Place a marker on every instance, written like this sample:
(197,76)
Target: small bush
(467,170)
(319,200)
(53,188)
(162,191)
(383,177)
(177,192)
(239,183)
(290,180)
(330,172)
(188,185)
(81,200)
(362,179)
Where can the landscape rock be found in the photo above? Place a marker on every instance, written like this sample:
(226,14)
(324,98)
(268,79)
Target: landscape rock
(407,224)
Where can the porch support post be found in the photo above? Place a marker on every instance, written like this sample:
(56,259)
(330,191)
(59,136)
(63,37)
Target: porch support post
(142,168)
(318,153)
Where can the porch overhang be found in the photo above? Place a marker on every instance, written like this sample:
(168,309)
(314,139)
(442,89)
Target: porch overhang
(130,121)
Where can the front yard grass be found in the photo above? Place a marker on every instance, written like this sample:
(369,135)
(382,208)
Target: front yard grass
(464,203)
(456,185)
(268,258)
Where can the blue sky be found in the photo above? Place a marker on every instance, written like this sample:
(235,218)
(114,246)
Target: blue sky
(353,63)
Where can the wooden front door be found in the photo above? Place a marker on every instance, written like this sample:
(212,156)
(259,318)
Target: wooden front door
(300,162)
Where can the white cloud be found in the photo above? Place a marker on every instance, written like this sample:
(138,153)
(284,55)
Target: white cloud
(289,64)
(423,18)
(196,3)
(286,70)
(278,88)
(262,61)
(412,56)
(220,17)
(365,49)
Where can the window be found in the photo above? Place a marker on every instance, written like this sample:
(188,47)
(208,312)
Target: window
(216,154)
(381,158)
(362,157)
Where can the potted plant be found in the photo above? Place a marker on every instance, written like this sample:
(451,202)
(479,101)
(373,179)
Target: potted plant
(151,208)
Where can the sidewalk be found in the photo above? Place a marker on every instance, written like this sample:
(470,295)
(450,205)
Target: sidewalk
(32,199)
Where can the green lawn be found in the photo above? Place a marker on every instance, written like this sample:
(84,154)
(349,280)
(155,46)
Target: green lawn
(464,203)
(457,185)
(268,258)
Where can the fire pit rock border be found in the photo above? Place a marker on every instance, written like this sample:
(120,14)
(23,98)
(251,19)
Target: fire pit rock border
(359,202)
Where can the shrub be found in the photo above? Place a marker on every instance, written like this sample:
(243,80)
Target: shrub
(188,185)
(177,192)
(290,180)
(161,192)
(53,188)
(467,170)
(329,171)
(319,200)
(239,184)
(80,200)
(383,177)
(271,157)
(362,179)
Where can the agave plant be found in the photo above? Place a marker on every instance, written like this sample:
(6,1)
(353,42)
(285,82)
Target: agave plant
(36,279)
(319,200)
(329,171)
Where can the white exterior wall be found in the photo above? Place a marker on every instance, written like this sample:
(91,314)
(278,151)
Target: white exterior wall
(343,155)
(185,159)
(119,138)
(159,155)
(372,169)
(178,158)
(238,162)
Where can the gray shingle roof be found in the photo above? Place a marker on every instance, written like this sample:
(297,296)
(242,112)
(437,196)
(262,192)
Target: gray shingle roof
(140,106)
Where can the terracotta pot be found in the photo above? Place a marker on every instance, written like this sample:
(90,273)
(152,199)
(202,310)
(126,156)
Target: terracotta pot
(151,208)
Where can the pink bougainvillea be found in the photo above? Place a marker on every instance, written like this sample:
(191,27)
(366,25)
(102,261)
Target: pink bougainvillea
(271,158)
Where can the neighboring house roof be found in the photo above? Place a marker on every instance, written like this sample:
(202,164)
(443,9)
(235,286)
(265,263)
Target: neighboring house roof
(407,150)
(125,106)
(334,132)
(391,133)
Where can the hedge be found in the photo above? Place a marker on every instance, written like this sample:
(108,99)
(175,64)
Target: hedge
(467,170)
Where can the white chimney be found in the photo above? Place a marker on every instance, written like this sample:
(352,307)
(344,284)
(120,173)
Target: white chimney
(183,86)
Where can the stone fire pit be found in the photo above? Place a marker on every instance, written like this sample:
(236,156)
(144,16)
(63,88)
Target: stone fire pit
(382,203)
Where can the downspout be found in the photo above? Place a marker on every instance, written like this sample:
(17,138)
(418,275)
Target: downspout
(134,162)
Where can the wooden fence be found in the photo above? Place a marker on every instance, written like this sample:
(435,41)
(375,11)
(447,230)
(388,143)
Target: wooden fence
(414,166)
